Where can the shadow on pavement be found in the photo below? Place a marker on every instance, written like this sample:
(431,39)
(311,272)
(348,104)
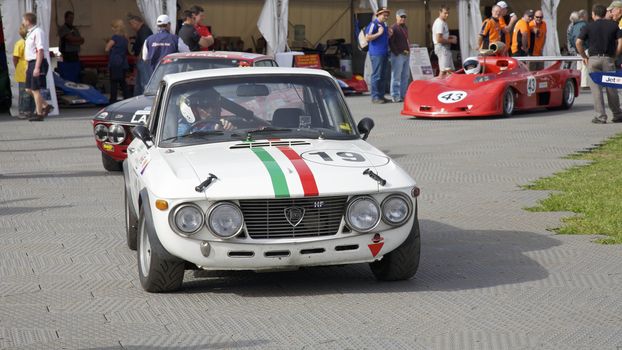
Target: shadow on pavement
(452,259)
(63,174)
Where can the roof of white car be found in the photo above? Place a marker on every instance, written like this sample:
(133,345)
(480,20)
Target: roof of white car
(236,72)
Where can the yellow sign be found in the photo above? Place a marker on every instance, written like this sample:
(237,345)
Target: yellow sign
(108,147)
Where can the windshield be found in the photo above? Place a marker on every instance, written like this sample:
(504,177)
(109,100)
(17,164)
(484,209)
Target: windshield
(177,65)
(253,108)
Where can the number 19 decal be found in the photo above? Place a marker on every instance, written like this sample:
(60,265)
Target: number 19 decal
(347,156)
(451,96)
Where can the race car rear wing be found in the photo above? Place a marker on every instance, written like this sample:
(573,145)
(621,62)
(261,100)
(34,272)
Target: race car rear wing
(548,58)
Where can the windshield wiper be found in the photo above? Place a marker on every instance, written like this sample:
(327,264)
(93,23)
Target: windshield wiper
(266,129)
(195,134)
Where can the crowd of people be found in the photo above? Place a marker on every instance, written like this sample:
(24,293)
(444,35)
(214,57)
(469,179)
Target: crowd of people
(31,64)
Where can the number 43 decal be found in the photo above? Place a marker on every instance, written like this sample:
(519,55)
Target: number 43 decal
(451,96)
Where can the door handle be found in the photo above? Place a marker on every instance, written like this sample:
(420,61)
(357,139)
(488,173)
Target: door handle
(131,150)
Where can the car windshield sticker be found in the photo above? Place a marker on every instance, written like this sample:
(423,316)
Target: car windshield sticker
(531,85)
(140,116)
(186,112)
(451,96)
(306,176)
(279,184)
(305,122)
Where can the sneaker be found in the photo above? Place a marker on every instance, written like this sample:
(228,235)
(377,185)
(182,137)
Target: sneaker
(378,101)
(36,118)
(616,120)
(397,99)
(599,120)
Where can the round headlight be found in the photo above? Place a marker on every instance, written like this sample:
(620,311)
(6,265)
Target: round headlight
(395,210)
(187,219)
(363,214)
(116,134)
(225,219)
(101,132)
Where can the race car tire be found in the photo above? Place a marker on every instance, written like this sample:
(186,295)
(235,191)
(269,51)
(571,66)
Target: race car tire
(403,262)
(507,107)
(568,94)
(131,227)
(157,273)
(111,164)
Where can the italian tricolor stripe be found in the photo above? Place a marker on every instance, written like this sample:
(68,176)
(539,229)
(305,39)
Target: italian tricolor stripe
(276,174)
(306,176)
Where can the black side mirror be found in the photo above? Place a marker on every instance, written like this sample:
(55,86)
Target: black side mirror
(142,133)
(365,126)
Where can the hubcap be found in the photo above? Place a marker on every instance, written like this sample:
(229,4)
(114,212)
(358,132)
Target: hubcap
(570,92)
(509,102)
(145,251)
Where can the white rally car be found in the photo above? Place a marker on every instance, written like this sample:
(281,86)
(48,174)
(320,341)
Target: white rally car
(262,169)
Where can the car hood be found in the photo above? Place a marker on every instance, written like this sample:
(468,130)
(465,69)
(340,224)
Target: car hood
(130,111)
(281,169)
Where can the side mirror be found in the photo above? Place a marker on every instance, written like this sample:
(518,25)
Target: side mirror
(365,126)
(142,133)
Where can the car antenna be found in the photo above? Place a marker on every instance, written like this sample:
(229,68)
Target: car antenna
(206,183)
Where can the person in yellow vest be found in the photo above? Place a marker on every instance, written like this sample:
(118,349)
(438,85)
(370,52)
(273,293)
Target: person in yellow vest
(26,103)
(521,39)
(537,28)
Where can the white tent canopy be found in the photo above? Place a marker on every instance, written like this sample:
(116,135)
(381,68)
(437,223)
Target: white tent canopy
(151,9)
(549,10)
(470,21)
(273,25)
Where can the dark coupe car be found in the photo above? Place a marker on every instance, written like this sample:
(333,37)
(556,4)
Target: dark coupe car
(112,125)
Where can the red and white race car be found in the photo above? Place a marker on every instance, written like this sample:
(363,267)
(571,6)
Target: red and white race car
(501,86)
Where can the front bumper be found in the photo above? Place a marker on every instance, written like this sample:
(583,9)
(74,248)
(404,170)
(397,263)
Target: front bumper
(116,152)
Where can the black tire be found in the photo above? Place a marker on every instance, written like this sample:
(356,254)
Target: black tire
(157,275)
(403,262)
(507,108)
(568,96)
(131,224)
(111,164)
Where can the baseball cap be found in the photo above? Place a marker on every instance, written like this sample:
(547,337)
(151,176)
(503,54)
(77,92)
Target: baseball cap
(382,10)
(401,12)
(614,4)
(163,19)
(502,4)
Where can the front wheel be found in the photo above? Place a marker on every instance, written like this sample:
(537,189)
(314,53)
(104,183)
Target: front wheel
(111,164)
(403,262)
(508,102)
(157,275)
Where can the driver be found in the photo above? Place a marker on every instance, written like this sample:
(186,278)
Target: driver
(472,66)
(202,110)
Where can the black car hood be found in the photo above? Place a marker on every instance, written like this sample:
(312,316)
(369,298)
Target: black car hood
(130,111)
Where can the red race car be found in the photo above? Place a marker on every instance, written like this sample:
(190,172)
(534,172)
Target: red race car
(494,86)
(112,125)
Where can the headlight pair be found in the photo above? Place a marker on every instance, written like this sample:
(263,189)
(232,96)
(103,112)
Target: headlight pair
(364,213)
(115,134)
(224,219)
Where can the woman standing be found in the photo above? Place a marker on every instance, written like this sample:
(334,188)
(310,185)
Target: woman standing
(117,48)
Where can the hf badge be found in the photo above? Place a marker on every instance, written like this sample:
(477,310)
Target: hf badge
(376,244)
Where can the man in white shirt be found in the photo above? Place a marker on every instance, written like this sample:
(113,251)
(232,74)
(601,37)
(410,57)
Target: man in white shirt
(36,44)
(442,42)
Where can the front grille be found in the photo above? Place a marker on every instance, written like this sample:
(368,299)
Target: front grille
(265,218)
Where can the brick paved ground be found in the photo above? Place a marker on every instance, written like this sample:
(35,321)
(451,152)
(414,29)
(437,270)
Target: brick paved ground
(491,276)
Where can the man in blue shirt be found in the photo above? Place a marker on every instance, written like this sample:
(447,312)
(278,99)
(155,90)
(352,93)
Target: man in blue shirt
(377,35)
(162,43)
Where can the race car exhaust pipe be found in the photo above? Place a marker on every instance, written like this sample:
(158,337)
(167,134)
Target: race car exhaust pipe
(498,48)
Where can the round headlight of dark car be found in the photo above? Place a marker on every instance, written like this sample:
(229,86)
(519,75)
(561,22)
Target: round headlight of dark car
(116,134)
(101,132)
(395,209)
(225,219)
(363,214)
(187,219)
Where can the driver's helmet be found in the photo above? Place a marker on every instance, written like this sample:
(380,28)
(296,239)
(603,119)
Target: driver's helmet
(193,106)
(472,66)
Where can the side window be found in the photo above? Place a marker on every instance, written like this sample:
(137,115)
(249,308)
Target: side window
(264,63)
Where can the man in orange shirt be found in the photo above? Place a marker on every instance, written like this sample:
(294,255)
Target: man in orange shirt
(538,38)
(506,27)
(521,39)
(491,31)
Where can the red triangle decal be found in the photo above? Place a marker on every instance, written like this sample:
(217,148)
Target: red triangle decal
(375,248)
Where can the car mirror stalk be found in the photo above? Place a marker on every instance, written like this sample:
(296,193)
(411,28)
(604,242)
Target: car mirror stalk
(142,133)
(365,126)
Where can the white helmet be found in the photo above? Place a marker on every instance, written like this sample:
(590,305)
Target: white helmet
(471,66)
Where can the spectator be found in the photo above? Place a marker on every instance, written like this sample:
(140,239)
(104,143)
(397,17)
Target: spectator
(118,66)
(188,32)
(26,104)
(521,38)
(400,55)
(506,23)
(491,30)
(605,45)
(69,47)
(207,39)
(377,35)
(537,29)
(38,66)
(578,21)
(442,42)
(143,70)
(162,43)
(615,10)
